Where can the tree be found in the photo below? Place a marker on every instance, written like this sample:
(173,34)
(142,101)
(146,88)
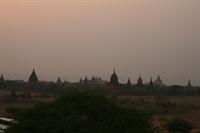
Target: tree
(81,113)
(179,125)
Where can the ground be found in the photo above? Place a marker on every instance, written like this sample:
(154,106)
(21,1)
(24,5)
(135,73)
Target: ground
(163,107)
(5,103)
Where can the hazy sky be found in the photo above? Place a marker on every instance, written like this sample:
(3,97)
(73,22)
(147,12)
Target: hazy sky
(74,38)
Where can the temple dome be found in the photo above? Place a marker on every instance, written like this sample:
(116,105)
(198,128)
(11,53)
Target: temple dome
(151,84)
(114,79)
(59,81)
(33,77)
(140,81)
(158,81)
(2,78)
(129,83)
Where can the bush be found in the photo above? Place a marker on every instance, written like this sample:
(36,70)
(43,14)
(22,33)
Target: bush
(179,125)
(81,113)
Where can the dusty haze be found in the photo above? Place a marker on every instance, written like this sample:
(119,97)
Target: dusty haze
(72,39)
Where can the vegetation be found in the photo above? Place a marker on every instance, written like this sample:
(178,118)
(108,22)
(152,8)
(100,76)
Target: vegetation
(83,112)
(179,125)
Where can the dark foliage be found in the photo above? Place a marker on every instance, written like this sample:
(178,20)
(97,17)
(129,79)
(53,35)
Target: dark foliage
(179,125)
(84,112)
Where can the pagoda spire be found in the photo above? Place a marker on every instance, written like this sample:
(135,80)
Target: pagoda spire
(114,79)
(140,81)
(33,77)
(129,82)
(158,82)
(59,81)
(151,85)
(2,78)
(189,84)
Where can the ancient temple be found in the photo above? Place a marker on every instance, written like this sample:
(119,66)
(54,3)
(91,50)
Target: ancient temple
(33,77)
(189,84)
(81,81)
(93,78)
(140,82)
(59,81)
(86,79)
(2,78)
(158,81)
(151,84)
(114,79)
(129,83)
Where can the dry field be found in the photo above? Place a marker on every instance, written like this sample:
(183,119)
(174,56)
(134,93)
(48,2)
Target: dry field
(5,103)
(164,108)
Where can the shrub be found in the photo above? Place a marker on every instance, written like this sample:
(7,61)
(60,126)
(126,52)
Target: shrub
(179,125)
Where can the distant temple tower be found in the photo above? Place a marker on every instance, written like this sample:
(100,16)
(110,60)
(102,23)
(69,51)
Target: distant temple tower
(86,79)
(189,84)
(158,81)
(140,82)
(151,85)
(81,81)
(114,79)
(93,78)
(2,79)
(59,81)
(33,77)
(129,83)
(65,82)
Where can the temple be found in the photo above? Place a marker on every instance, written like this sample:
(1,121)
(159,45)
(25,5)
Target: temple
(189,84)
(140,82)
(129,83)
(86,80)
(93,78)
(33,77)
(151,84)
(158,81)
(59,81)
(2,79)
(114,79)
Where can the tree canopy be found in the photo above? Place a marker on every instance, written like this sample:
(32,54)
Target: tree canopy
(82,112)
(179,125)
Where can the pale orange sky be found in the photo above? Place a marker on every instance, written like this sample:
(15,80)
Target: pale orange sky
(72,39)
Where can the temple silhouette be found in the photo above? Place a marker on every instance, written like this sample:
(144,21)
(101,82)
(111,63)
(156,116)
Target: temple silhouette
(33,77)
(59,81)
(114,79)
(93,81)
(158,81)
(129,83)
(151,84)
(2,79)
(112,86)
(140,82)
